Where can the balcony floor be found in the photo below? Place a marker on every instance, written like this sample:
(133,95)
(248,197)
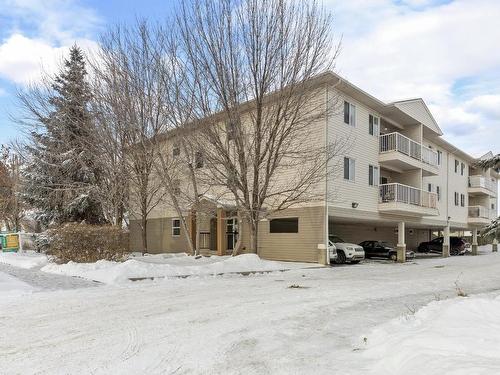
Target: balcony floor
(399,208)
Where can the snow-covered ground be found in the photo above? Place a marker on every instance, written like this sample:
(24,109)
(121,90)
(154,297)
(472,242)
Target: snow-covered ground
(353,319)
(28,259)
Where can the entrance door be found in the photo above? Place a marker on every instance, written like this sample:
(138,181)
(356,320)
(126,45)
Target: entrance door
(231,233)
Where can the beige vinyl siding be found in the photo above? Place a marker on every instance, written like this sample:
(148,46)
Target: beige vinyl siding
(159,234)
(301,246)
(360,146)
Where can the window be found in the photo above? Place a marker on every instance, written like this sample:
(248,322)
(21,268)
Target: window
(198,160)
(462,200)
(349,169)
(456,165)
(493,206)
(456,199)
(176,187)
(373,175)
(373,125)
(462,168)
(440,157)
(230,130)
(176,227)
(284,225)
(438,193)
(429,188)
(384,180)
(349,113)
(176,151)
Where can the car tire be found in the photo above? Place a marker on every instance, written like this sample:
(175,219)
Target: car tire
(393,256)
(355,261)
(340,257)
(454,252)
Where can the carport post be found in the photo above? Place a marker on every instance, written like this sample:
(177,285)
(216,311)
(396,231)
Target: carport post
(401,246)
(474,241)
(446,241)
(495,245)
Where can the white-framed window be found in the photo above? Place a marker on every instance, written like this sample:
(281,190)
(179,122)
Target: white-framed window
(176,187)
(349,169)
(373,175)
(440,157)
(462,169)
(349,113)
(462,200)
(457,163)
(176,151)
(373,125)
(456,199)
(429,188)
(176,227)
(438,192)
(198,159)
(230,130)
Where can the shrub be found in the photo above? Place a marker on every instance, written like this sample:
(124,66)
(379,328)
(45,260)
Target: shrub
(84,243)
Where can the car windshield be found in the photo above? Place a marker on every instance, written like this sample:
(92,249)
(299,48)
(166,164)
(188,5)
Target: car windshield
(335,239)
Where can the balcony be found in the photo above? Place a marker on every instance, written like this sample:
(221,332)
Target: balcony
(481,185)
(406,200)
(400,153)
(480,215)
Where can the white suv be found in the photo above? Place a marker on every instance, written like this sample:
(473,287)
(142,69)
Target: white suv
(346,252)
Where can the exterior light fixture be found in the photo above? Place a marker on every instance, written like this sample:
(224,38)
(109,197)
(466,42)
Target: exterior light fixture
(354,204)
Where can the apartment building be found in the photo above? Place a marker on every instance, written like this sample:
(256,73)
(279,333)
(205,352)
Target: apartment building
(398,181)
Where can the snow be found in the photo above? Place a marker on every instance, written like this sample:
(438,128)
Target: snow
(160,267)
(11,286)
(258,324)
(458,336)
(28,259)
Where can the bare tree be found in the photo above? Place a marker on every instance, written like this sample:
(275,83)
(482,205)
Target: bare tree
(131,94)
(11,211)
(252,67)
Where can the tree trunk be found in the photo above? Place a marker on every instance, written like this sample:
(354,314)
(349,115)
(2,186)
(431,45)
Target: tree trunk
(144,234)
(253,236)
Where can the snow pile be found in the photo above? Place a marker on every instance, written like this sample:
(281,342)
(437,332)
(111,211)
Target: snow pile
(115,272)
(29,259)
(458,336)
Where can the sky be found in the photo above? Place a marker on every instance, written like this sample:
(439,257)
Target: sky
(444,51)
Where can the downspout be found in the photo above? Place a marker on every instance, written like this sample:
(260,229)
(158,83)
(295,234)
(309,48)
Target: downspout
(327,259)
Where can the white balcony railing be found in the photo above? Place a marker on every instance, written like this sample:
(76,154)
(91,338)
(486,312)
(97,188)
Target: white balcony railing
(407,194)
(398,142)
(478,181)
(480,212)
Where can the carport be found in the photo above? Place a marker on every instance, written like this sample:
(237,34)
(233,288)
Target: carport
(403,234)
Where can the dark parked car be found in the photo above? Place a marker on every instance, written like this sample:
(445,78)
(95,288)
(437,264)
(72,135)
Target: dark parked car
(457,246)
(381,249)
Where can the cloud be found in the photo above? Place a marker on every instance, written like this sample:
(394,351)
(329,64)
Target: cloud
(419,48)
(40,35)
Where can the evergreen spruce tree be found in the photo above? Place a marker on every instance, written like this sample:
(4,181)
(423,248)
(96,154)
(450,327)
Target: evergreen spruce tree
(61,176)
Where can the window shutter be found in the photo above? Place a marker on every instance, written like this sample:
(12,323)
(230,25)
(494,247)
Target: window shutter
(370,175)
(370,124)
(353,115)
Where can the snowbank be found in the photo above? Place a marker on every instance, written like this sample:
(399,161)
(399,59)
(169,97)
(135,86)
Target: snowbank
(458,336)
(114,272)
(27,259)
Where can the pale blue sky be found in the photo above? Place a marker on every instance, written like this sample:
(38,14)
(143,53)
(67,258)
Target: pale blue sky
(445,51)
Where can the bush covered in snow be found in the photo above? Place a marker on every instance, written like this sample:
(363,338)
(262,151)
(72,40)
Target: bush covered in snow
(83,243)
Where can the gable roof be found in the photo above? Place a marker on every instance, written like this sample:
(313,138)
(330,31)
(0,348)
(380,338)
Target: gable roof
(417,109)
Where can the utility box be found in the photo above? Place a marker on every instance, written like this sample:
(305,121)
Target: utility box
(9,242)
